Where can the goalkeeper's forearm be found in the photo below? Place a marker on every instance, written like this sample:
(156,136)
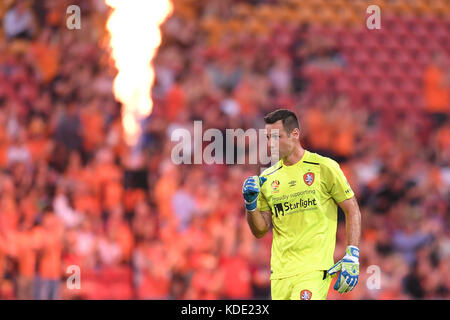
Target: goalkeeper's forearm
(258,222)
(352,221)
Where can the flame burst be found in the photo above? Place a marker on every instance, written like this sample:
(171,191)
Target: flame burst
(134,28)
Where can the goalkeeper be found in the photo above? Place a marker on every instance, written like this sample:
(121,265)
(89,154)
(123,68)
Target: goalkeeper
(299,196)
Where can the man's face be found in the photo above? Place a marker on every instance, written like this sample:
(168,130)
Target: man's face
(279,139)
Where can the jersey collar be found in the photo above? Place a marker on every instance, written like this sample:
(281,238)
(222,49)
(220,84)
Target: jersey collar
(304,157)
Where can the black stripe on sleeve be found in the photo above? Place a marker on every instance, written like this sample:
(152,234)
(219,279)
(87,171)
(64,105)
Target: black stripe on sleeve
(274,171)
(317,164)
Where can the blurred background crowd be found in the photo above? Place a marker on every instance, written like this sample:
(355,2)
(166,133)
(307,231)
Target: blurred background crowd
(140,227)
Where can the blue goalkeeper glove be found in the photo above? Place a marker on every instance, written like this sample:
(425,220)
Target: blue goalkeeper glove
(349,267)
(250,191)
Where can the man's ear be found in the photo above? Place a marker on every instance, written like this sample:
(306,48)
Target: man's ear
(296,133)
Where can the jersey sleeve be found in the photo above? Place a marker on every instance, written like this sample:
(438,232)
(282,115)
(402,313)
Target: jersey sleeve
(336,182)
(262,204)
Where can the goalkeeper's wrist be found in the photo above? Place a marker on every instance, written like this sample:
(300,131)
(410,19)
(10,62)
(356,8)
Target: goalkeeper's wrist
(352,253)
(250,206)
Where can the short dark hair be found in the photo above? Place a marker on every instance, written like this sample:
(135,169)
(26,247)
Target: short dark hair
(289,119)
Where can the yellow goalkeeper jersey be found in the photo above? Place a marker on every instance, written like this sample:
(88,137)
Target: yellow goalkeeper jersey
(303,200)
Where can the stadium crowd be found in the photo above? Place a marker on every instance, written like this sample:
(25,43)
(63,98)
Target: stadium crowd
(139,226)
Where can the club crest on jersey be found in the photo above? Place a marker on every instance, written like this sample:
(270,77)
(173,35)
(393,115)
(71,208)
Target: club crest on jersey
(308,178)
(275,186)
(305,295)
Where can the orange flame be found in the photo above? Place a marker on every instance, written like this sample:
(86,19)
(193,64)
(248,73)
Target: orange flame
(134,28)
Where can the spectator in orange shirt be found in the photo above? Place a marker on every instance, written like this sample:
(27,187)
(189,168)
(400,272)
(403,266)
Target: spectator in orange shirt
(49,240)
(437,88)
(46,53)
(26,257)
(237,277)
